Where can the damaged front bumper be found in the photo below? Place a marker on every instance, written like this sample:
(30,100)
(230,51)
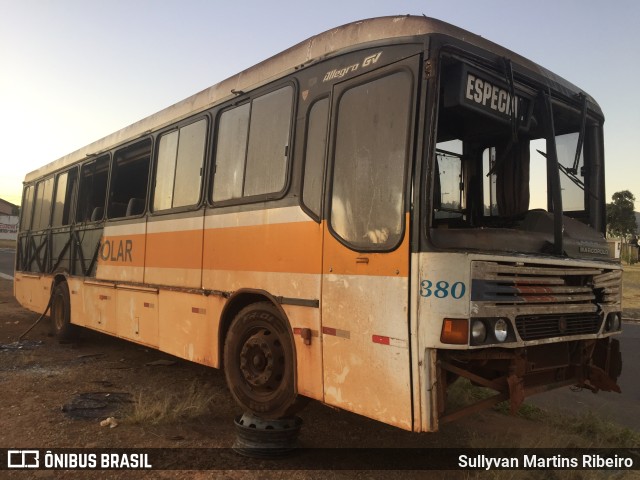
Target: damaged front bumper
(516,374)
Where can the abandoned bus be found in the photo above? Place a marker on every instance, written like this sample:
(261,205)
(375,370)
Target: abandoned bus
(360,219)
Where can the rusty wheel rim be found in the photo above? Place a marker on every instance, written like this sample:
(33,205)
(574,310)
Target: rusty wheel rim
(262,361)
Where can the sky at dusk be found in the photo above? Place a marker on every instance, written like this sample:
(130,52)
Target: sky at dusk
(74,71)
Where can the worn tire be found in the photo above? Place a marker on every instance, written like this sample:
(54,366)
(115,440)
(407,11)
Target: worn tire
(259,362)
(61,325)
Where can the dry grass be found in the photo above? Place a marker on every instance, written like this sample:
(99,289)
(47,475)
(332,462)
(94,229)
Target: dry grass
(594,431)
(584,430)
(463,393)
(165,407)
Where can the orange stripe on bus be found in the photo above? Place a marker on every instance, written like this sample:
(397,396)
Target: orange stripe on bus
(283,248)
(181,249)
(289,247)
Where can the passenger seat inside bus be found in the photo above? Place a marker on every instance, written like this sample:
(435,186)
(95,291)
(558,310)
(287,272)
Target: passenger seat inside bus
(117,210)
(135,206)
(97,214)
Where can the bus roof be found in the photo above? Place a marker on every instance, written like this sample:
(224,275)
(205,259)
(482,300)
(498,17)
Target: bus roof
(352,35)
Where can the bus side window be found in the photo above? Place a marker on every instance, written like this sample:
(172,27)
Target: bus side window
(27,208)
(64,205)
(314,155)
(252,148)
(179,170)
(42,210)
(129,179)
(231,151)
(268,148)
(93,190)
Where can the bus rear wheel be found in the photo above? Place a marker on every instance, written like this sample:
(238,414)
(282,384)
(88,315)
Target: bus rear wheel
(259,362)
(61,314)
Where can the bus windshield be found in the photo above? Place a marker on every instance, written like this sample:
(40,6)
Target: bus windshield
(515,167)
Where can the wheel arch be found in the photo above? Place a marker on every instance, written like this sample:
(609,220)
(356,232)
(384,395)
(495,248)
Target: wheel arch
(58,277)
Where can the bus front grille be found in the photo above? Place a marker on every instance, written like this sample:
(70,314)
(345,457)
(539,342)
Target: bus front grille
(537,327)
(544,289)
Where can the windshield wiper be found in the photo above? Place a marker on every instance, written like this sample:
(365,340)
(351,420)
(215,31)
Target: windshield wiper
(554,174)
(570,175)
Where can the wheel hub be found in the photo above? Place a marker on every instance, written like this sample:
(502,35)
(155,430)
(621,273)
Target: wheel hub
(262,360)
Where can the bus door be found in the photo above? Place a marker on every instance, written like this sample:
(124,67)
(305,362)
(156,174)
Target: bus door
(365,290)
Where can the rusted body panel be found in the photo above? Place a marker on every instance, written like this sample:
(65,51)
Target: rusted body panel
(366,347)
(137,315)
(188,325)
(99,306)
(308,347)
(365,302)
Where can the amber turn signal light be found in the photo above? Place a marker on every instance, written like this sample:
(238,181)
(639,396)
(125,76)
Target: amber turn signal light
(455,331)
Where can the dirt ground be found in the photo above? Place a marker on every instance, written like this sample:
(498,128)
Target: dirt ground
(40,376)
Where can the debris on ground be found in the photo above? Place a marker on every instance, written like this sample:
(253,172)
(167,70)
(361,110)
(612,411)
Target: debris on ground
(110,422)
(21,345)
(96,404)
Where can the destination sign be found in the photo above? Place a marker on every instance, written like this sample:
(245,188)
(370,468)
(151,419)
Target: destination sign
(482,92)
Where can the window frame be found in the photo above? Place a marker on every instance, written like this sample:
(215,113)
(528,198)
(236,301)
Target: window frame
(117,155)
(238,102)
(25,228)
(38,183)
(73,196)
(204,167)
(214,152)
(317,216)
(337,93)
(107,156)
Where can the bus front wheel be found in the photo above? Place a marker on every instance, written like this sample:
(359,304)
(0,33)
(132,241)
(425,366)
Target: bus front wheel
(259,362)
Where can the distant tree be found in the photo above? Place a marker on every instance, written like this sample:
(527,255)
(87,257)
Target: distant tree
(621,219)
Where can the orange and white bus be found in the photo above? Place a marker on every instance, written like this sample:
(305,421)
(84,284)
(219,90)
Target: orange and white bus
(359,220)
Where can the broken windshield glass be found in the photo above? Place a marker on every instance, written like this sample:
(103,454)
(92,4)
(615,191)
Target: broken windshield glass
(488,174)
